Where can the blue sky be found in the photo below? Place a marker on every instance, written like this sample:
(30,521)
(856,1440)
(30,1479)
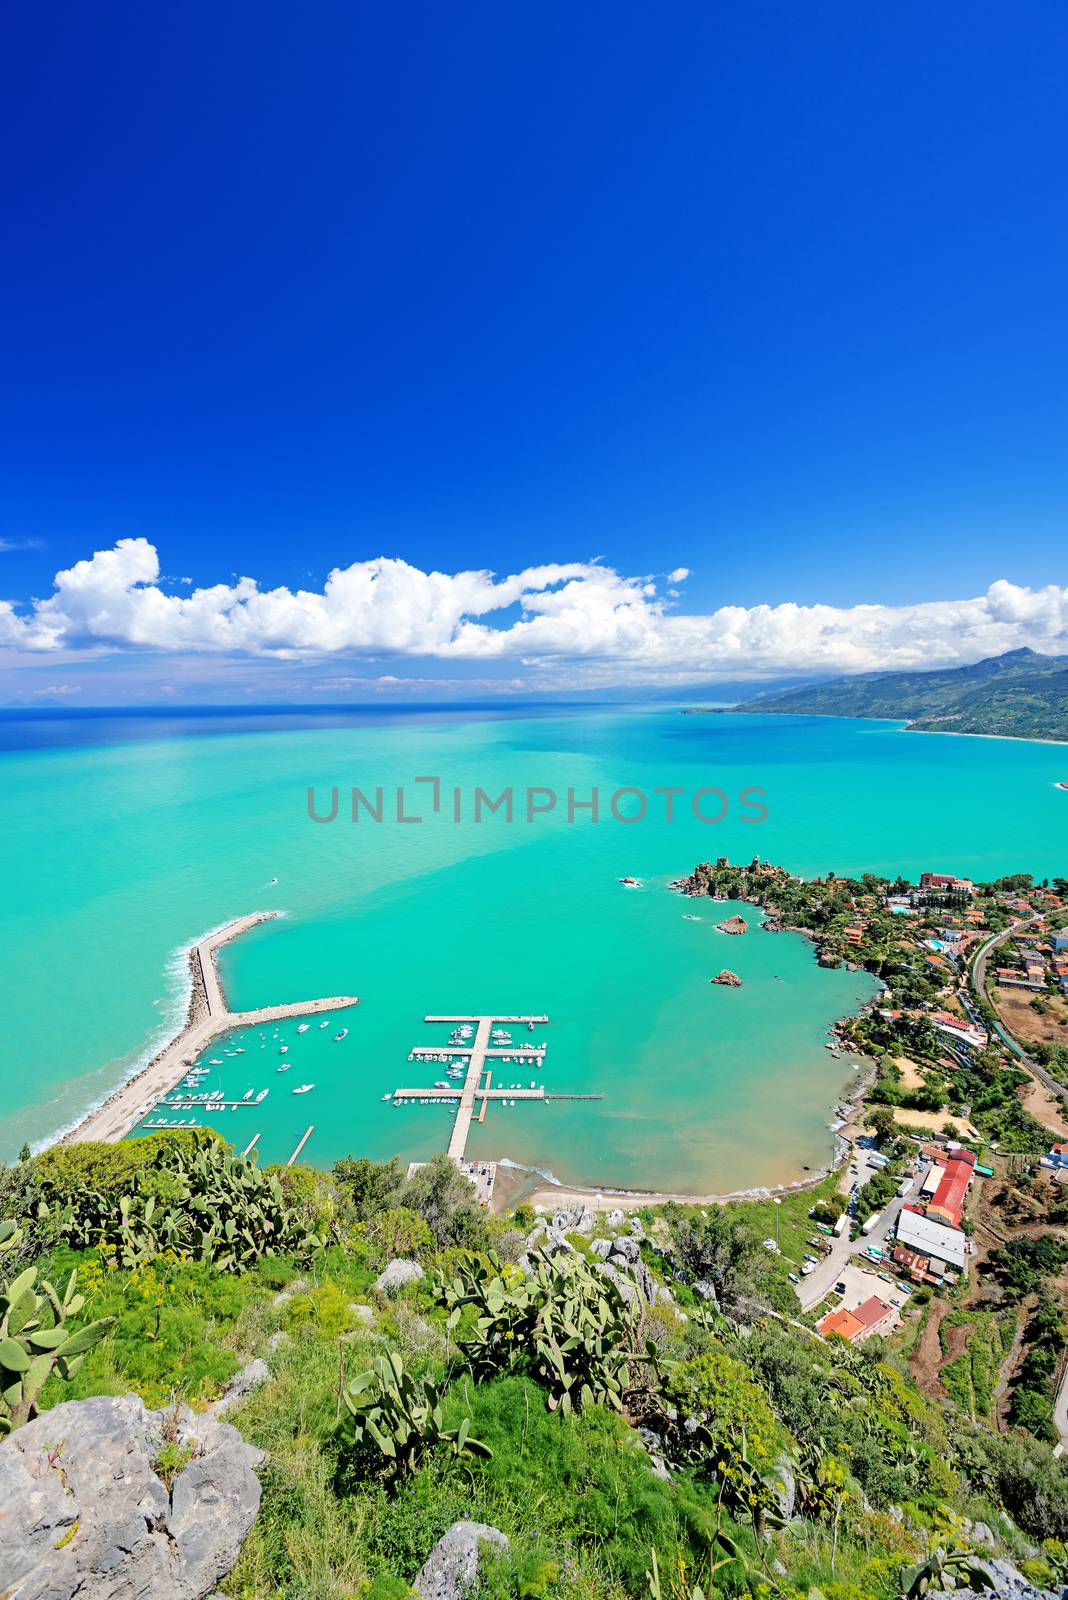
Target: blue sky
(771,294)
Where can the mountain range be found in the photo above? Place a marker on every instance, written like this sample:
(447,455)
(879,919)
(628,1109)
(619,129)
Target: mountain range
(1020,694)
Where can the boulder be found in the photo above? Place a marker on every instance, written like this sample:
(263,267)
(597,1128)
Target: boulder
(602,1248)
(574,1219)
(704,1289)
(626,1248)
(242,1383)
(84,1512)
(397,1274)
(615,1219)
(730,980)
(735,924)
(451,1568)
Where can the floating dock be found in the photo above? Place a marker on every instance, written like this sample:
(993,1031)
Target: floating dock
(473,1091)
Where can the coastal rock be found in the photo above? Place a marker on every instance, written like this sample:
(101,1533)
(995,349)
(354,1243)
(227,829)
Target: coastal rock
(451,1568)
(626,1249)
(397,1274)
(83,1511)
(241,1384)
(574,1219)
(615,1219)
(730,979)
(635,1283)
(631,883)
(735,924)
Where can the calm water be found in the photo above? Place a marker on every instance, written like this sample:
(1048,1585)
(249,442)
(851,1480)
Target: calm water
(115,854)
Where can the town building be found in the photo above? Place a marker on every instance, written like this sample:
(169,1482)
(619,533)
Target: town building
(873,1316)
(929,1248)
(947,1201)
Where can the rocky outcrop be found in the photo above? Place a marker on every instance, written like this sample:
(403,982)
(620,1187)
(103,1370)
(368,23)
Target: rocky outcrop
(735,924)
(85,1512)
(397,1275)
(451,1568)
(575,1219)
(730,979)
(241,1384)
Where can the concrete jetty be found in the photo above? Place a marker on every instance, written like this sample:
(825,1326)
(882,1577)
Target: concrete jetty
(208,1016)
(472,1091)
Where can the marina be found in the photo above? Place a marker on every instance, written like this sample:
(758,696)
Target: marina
(207,1018)
(480,1030)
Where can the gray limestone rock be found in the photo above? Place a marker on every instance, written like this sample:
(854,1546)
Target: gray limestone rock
(84,1512)
(397,1274)
(451,1568)
(241,1384)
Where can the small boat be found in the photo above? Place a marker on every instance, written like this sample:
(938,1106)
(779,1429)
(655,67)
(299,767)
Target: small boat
(282,1049)
(262,1095)
(247,1095)
(387,1097)
(240,1050)
(304,1088)
(215,1063)
(325,1024)
(285,1066)
(302,1027)
(342,1035)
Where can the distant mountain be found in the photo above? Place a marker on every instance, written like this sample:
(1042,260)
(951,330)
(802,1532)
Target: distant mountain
(1020,693)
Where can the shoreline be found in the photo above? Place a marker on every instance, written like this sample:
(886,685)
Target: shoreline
(207,1016)
(531,1187)
(752,709)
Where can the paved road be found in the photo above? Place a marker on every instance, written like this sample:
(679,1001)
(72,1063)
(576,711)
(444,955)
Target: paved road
(1060,1413)
(978,981)
(811,1290)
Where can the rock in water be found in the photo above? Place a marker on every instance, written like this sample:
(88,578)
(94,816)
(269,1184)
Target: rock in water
(731,979)
(83,1511)
(735,924)
(397,1274)
(451,1568)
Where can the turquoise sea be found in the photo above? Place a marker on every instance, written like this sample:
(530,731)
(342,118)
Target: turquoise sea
(126,839)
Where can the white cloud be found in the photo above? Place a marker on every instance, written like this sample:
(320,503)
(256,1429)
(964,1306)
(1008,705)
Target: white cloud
(605,627)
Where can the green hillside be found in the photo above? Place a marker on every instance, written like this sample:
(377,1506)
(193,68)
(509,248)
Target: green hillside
(1021,693)
(647,1429)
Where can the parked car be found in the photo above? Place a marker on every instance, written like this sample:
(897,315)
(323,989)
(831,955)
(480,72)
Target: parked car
(840,1288)
(793,1277)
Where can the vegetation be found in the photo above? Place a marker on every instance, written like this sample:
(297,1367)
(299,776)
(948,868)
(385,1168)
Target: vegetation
(629,1445)
(37,1337)
(1020,693)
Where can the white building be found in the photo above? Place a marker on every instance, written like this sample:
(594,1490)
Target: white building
(933,1239)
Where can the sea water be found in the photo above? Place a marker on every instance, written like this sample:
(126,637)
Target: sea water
(119,849)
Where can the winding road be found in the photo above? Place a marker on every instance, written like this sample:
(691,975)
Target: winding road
(978,983)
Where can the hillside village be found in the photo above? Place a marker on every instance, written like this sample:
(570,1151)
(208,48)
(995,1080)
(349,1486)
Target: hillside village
(958,1146)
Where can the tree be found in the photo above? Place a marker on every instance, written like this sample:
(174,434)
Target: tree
(368,1186)
(881,1121)
(443,1196)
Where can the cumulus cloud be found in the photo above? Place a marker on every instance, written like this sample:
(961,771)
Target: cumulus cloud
(610,626)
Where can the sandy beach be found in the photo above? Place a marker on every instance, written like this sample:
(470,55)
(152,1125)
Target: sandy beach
(207,1017)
